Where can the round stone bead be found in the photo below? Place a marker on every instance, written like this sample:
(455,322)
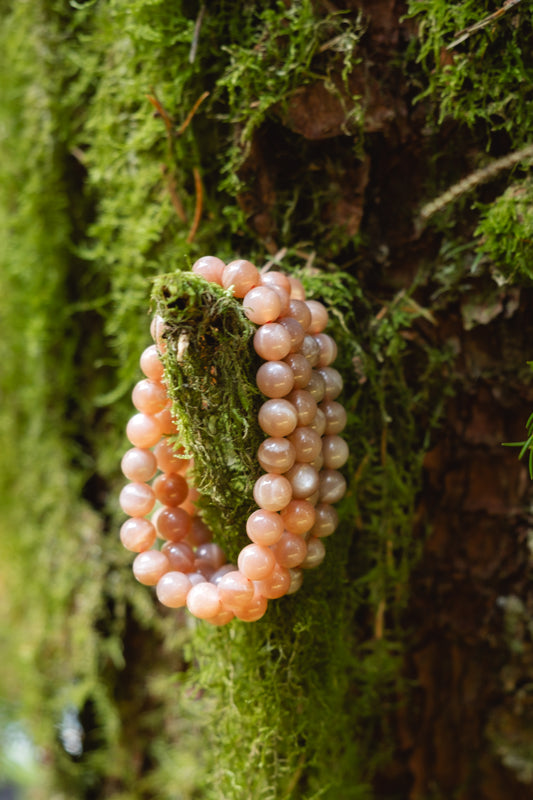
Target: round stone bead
(276,455)
(275,278)
(276,585)
(316,386)
(319,422)
(307,444)
(172,589)
(332,486)
(149,397)
(319,316)
(222,618)
(137,534)
(210,268)
(204,568)
(315,553)
(304,404)
(170,489)
(295,331)
(328,349)
(165,421)
(299,311)
(335,416)
(264,527)
(241,275)
(150,566)
(272,342)
(261,304)
(298,517)
(332,382)
(304,480)
(151,363)
(235,590)
(221,571)
(180,556)
(143,431)
(290,551)
(256,562)
(297,288)
(277,417)
(199,532)
(301,369)
(203,600)
(326,520)
(310,350)
(212,553)
(318,463)
(335,452)
(139,465)
(284,299)
(173,523)
(297,578)
(168,459)
(275,379)
(272,492)
(189,504)
(196,577)
(255,609)
(137,499)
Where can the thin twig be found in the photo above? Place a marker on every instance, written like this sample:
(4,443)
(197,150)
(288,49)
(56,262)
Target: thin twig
(191,114)
(165,116)
(199,205)
(467,32)
(196,34)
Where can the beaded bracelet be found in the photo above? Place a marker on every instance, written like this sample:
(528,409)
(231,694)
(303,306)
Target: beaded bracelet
(300,458)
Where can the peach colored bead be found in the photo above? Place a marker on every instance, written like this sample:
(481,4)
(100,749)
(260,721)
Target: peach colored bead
(297,579)
(318,462)
(284,299)
(196,578)
(189,504)
(150,566)
(316,386)
(199,532)
(304,404)
(276,585)
(335,452)
(307,444)
(180,556)
(319,316)
(297,288)
(222,618)
(170,489)
(332,486)
(276,455)
(272,492)
(277,417)
(315,553)
(298,516)
(137,534)
(275,379)
(261,305)
(275,278)
(172,589)
(326,520)
(264,527)
(137,499)
(210,268)
(313,498)
(235,590)
(221,571)
(295,331)
(304,480)
(328,349)
(166,422)
(272,342)
(213,553)
(255,609)
(299,311)
(256,562)
(149,397)
(332,381)
(290,551)
(151,363)
(301,369)
(143,431)
(204,568)
(139,465)
(173,523)
(319,422)
(203,600)
(168,459)
(241,275)
(335,416)
(310,350)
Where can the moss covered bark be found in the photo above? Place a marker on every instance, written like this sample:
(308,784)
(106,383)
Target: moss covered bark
(136,136)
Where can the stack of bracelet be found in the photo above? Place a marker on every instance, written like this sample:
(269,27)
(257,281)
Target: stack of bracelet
(300,458)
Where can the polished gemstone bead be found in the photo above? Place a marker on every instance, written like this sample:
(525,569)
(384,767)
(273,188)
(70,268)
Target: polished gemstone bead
(284,299)
(328,349)
(213,553)
(326,520)
(303,479)
(150,566)
(149,397)
(166,422)
(172,589)
(170,489)
(275,379)
(210,268)
(319,316)
(297,288)
(168,459)
(299,311)
(235,590)
(276,454)
(272,492)
(301,369)
(290,551)
(256,562)
(277,417)
(304,404)
(261,304)
(315,553)
(222,618)
(241,275)
(316,386)
(196,577)
(295,331)
(137,499)
(332,486)
(199,532)
(307,444)
(151,363)
(335,452)
(180,556)
(275,278)
(318,462)
(276,585)
(310,350)
(143,431)
(173,523)
(137,534)
(221,571)
(203,600)
(272,342)
(297,579)
(203,567)
(332,381)
(335,416)
(264,527)
(298,517)
(139,465)
(254,610)
(319,422)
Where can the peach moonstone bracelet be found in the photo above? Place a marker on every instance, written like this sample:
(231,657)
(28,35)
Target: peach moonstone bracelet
(301,456)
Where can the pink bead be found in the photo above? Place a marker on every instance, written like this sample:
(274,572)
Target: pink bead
(199,532)
(290,551)
(256,562)
(304,480)
(189,504)
(170,489)
(149,397)
(180,556)
(304,404)
(318,462)
(310,350)
(299,311)
(277,417)
(326,520)
(136,499)
(172,589)
(297,579)
(166,422)
(242,275)
(261,305)
(295,331)
(137,534)
(173,523)
(255,609)
(332,486)
(301,369)
(319,316)
(316,386)
(328,349)
(210,268)
(272,342)
(276,585)
(168,459)
(297,288)
(196,577)
(319,422)
(213,553)
(284,300)
(151,364)
(203,600)
(272,492)
(139,465)
(298,517)
(332,382)
(143,431)
(222,618)
(221,571)
(315,553)
(235,590)
(307,444)
(204,567)
(335,452)
(276,455)
(150,566)
(264,527)
(275,379)
(275,278)
(335,416)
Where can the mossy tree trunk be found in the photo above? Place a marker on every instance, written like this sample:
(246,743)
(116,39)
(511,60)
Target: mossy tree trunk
(136,136)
